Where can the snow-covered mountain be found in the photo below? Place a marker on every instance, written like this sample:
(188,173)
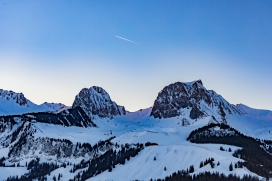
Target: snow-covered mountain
(182,134)
(12,103)
(95,101)
(192,101)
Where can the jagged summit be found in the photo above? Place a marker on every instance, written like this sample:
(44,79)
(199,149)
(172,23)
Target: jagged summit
(18,98)
(96,101)
(12,103)
(178,98)
(199,81)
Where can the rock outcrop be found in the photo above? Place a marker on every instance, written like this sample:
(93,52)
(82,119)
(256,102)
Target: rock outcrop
(193,96)
(95,101)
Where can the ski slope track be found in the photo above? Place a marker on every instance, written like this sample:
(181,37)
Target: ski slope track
(94,127)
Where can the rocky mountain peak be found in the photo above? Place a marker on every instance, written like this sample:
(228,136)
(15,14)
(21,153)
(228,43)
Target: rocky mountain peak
(178,98)
(19,98)
(96,101)
(12,103)
(199,81)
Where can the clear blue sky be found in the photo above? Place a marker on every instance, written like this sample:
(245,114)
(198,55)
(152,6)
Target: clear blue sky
(50,50)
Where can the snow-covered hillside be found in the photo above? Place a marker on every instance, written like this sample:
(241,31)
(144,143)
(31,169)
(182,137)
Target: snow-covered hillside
(105,143)
(173,151)
(12,103)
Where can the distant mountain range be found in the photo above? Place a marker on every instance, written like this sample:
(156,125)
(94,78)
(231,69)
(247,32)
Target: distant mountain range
(16,103)
(189,130)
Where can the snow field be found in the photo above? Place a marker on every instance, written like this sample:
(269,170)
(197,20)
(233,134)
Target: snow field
(5,172)
(174,158)
(173,151)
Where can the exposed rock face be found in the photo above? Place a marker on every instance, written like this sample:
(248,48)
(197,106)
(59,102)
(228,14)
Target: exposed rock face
(175,98)
(96,101)
(19,138)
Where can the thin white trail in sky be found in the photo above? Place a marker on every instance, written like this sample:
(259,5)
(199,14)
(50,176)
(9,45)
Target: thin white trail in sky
(126,39)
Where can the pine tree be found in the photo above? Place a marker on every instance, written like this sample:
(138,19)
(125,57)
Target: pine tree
(191,169)
(231,167)
(201,164)
(212,164)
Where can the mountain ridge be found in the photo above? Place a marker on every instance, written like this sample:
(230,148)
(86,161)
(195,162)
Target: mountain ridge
(12,103)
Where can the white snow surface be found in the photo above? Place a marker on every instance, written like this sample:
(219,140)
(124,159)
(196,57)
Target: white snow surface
(258,113)
(173,151)
(12,103)
(174,158)
(5,172)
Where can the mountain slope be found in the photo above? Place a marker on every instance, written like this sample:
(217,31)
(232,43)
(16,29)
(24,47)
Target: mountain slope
(258,113)
(12,103)
(95,101)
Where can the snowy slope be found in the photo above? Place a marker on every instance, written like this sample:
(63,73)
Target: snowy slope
(257,113)
(12,103)
(9,171)
(52,107)
(172,152)
(254,122)
(174,158)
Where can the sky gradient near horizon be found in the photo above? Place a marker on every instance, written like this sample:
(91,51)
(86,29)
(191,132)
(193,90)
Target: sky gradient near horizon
(50,50)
